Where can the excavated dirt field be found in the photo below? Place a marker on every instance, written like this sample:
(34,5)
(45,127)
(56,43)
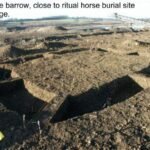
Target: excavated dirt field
(75,90)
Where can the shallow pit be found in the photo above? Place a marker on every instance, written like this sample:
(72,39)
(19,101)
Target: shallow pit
(59,38)
(57,45)
(143,42)
(5,74)
(16,96)
(145,71)
(133,54)
(106,95)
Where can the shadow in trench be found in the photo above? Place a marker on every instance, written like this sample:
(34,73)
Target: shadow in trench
(5,74)
(70,51)
(145,71)
(108,94)
(15,97)
(59,38)
(16,101)
(57,45)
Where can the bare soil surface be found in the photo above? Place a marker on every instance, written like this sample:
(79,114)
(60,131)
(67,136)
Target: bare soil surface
(67,89)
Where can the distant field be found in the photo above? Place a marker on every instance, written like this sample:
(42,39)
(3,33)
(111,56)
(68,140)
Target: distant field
(46,22)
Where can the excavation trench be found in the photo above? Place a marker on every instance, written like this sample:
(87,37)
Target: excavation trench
(145,71)
(5,74)
(143,43)
(23,97)
(106,95)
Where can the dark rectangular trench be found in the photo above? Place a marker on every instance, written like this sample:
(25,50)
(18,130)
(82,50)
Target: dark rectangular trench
(97,99)
(15,97)
(5,74)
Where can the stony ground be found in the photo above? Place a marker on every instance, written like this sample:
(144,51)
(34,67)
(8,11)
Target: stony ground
(90,99)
